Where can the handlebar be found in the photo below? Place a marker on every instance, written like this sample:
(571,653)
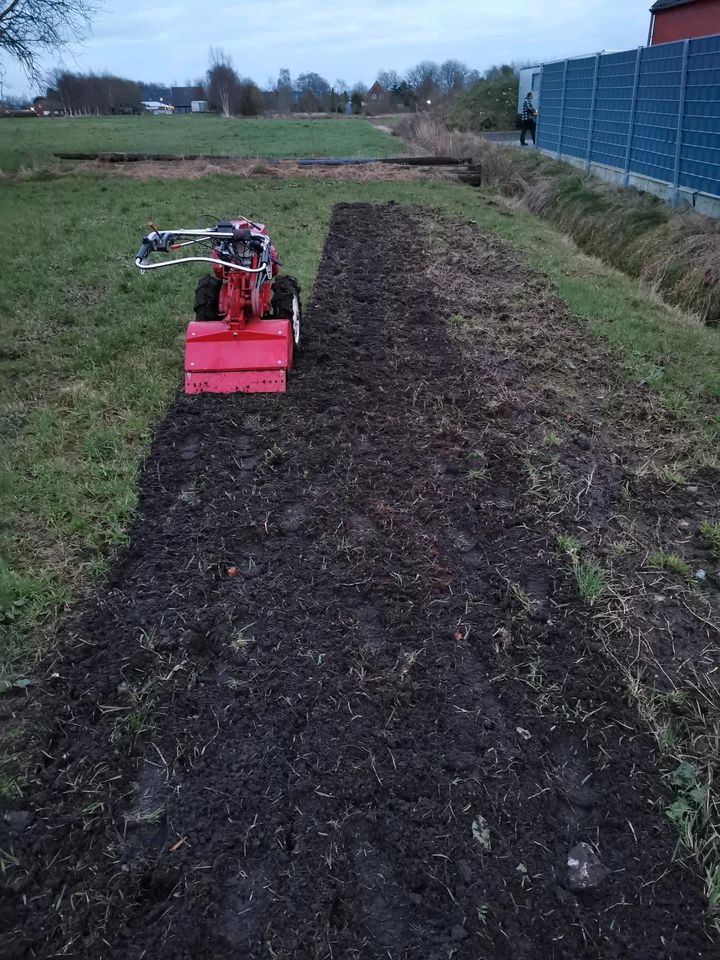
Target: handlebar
(215,261)
(162,241)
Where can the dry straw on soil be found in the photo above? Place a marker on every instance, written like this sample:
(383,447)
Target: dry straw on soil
(241,167)
(677,252)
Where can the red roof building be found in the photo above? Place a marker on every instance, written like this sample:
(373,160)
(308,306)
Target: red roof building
(376,100)
(683,19)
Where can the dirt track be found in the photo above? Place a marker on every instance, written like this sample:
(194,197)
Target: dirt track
(339,698)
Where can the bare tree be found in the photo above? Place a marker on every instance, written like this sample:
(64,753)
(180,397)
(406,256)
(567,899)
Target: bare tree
(314,92)
(284,91)
(30,28)
(389,80)
(424,78)
(452,76)
(223,84)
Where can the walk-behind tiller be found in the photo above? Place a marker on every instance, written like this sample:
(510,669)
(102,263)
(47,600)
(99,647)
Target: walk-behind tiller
(247,316)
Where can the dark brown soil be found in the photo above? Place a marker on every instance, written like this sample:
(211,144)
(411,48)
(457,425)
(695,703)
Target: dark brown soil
(340,698)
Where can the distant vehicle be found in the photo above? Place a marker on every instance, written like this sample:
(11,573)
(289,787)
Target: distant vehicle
(198,106)
(157,106)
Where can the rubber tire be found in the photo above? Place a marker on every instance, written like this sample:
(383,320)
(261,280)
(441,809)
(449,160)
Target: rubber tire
(207,298)
(285,290)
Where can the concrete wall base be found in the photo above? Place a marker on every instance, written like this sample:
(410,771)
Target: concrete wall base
(705,203)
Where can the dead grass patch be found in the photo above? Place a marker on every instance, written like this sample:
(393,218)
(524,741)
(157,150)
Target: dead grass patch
(246,168)
(676,252)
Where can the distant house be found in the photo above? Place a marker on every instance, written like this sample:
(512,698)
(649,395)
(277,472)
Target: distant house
(155,92)
(376,100)
(48,107)
(683,19)
(182,98)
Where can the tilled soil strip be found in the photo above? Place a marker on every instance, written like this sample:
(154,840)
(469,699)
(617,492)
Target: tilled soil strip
(336,699)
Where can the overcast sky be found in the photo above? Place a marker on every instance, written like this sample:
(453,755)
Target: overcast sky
(169,42)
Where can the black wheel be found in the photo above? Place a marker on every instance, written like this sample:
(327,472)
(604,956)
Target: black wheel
(207,298)
(286,305)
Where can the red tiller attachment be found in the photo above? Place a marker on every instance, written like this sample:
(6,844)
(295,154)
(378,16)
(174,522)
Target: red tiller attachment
(247,319)
(221,357)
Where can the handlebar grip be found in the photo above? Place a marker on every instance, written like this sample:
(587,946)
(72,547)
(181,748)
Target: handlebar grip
(147,247)
(153,242)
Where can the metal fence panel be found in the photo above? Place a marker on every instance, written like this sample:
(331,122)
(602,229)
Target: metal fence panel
(576,116)
(613,102)
(652,112)
(551,86)
(652,145)
(700,142)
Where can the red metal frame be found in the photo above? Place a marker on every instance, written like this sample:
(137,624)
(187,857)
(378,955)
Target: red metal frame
(244,351)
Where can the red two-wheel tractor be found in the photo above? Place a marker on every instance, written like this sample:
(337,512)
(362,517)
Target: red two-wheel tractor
(247,314)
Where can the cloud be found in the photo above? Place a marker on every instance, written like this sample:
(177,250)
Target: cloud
(171,43)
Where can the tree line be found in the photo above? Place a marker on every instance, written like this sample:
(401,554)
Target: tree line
(312,93)
(31,28)
(88,94)
(462,95)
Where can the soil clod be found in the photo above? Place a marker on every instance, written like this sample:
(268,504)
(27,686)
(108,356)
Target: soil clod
(585,869)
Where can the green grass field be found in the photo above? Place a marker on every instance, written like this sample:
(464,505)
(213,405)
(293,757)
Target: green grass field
(92,351)
(29,142)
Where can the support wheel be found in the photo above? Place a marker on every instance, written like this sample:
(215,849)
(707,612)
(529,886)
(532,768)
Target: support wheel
(286,306)
(207,298)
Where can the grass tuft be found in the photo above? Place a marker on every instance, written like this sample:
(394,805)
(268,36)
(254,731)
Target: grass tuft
(7,860)
(551,439)
(10,788)
(569,544)
(674,477)
(710,532)
(521,597)
(590,579)
(662,560)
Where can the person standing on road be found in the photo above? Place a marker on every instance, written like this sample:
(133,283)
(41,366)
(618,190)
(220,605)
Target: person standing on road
(528,117)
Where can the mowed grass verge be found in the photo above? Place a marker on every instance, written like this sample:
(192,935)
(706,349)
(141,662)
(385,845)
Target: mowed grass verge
(91,351)
(32,142)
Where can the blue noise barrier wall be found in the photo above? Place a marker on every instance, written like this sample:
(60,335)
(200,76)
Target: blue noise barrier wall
(653,113)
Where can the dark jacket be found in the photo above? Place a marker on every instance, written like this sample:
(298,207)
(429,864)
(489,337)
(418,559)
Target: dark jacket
(528,110)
